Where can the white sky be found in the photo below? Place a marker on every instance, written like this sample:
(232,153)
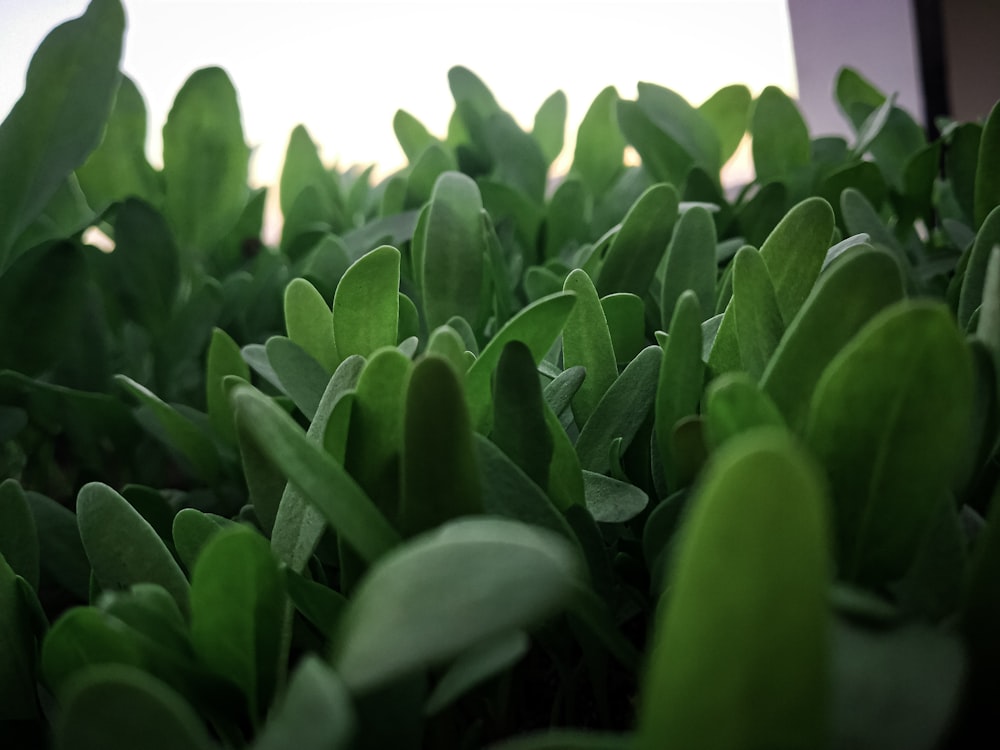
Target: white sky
(343,67)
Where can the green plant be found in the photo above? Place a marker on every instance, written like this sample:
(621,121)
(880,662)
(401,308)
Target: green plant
(470,460)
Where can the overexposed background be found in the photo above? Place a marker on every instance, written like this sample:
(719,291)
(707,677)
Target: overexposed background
(343,67)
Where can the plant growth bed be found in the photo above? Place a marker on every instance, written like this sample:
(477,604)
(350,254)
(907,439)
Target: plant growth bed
(469,459)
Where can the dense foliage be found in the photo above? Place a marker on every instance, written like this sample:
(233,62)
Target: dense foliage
(475,457)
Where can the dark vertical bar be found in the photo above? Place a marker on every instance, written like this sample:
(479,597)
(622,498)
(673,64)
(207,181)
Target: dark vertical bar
(933,62)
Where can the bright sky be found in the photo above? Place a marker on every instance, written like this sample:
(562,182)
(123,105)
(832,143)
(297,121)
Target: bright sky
(343,67)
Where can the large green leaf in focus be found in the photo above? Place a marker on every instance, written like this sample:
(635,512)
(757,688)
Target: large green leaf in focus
(845,298)
(60,118)
(454,254)
(447,591)
(309,322)
(366,304)
(122,547)
(889,421)
(749,665)
(118,707)
(205,162)
(755,311)
(237,610)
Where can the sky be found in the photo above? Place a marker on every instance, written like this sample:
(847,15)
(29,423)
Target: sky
(343,67)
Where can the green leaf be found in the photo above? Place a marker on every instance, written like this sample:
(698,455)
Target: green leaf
(122,547)
(432,162)
(519,427)
(63,561)
(301,376)
(845,298)
(734,404)
(612,501)
(907,377)
(18,533)
(567,225)
(690,264)
(508,492)
(600,146)
(755,311)
(366,304)
(309,322)
(375,436)
(538,325)
(191,531)
(621,412)
(60,118)
(639,246)
(17,651)
(117,168)
(681,377)
(315,714)
(319,478)
(626,317)
(467,87)
(895,688)
(727,111)
(298,524)
(974,280)
(684,126)
(499,574)
(224,360)
(749,665)
(856,96)
(550,126)
(961,156)
(477,665)
(440,480)
(794,252)
(780,136)
(518,159)
(41,296)
(117,706)
(205,161)
(145,262)
(454,254)
(586,342)
(176,431)
(237,612)
(413,137)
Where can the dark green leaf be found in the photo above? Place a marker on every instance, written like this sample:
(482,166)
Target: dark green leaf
(301,377)
(114,707)
(146,262)
(63,560)
(621,412)
(224,360)
(612,501)
(586,343)
(205,161)
(690,264)
(974,280)
(440,480)
(315,714)
(18,533)
(477,665)
(638,248)
(191,531)
(626,317)
(60,117)
(684,126)
(519,427)
(734,404)
(17,651)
